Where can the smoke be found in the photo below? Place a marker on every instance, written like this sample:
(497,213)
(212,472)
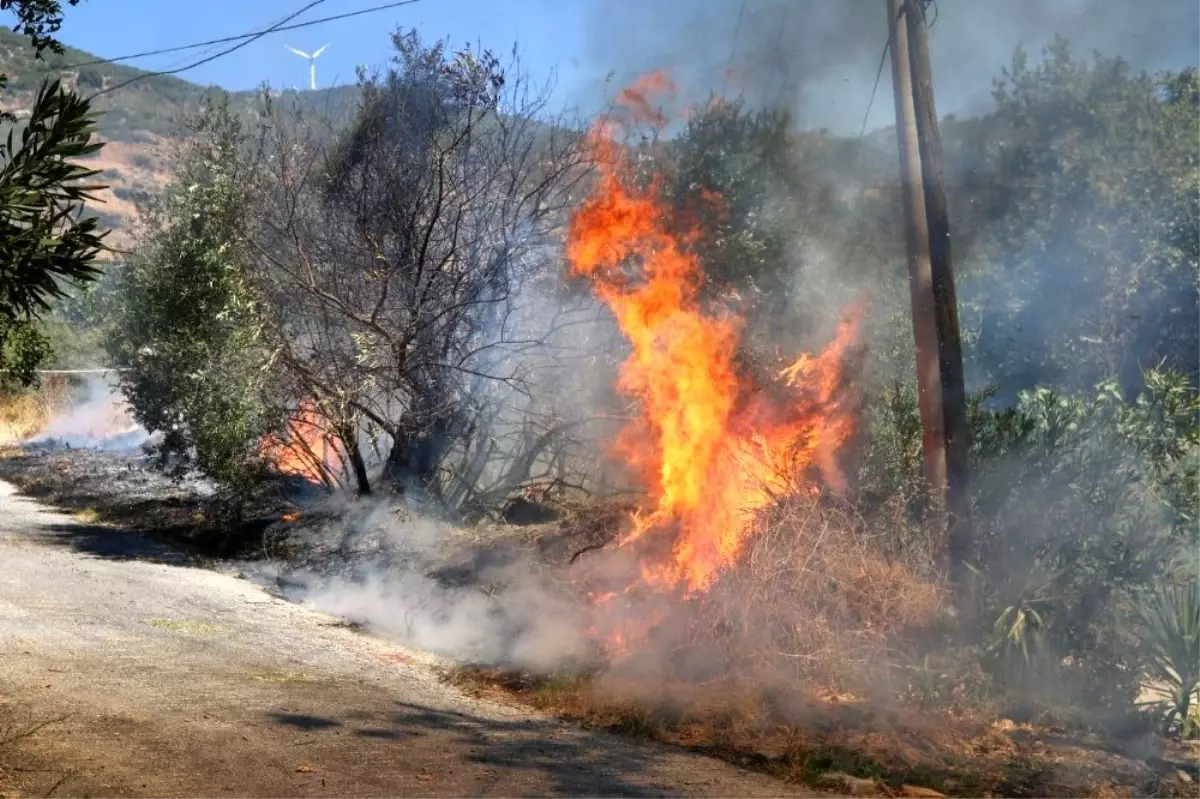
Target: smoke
(422,582)
(97,418)
(819,59)
(815,587)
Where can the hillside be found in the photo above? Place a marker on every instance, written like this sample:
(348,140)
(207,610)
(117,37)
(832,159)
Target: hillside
(138,121)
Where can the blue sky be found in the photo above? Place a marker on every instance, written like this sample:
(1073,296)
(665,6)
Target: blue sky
(818,55)
(111,28)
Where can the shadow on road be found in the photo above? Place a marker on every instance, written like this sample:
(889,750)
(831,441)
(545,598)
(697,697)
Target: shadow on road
(575,766)
(111,543)
(165,520)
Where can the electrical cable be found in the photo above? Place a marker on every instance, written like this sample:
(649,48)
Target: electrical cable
(226,39)
(737,29)
(925,4)
(252,38)
(878,74)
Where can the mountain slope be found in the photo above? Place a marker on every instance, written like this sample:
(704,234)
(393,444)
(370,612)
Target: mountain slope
(138,121)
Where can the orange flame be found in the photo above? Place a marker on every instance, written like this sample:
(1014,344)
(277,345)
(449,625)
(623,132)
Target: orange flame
(636,98)
(309,450)
(711,447)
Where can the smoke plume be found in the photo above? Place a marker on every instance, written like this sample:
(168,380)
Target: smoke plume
(420,581)
(96,418)
(819,59)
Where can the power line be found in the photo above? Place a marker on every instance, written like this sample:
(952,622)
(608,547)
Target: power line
(875,88)
(250,38)
(733,47)
(240,36)
(925,4)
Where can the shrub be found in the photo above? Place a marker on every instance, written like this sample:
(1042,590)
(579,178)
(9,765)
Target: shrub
(1081,504)
(186,327)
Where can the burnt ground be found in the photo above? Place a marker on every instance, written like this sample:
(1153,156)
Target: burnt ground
(287,521)
(125,515)
(127,671)
(123,489)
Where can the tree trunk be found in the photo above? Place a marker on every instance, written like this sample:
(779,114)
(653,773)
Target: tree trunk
(412,463)
(349,436)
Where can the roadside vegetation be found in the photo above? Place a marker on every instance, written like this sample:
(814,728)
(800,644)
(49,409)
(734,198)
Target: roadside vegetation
(377,301)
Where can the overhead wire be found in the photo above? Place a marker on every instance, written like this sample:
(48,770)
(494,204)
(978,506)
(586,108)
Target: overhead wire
(253,37)
(887,45)
(925,6)
(240,36)
(737,29)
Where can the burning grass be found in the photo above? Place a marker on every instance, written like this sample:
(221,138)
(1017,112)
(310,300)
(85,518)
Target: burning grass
(308,448)
(776,665)
(799,661)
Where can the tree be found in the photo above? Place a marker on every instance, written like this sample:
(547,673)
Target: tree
(44,240)
(187,329)
(770,211)
(391,262)
(39,20)
(1089,264)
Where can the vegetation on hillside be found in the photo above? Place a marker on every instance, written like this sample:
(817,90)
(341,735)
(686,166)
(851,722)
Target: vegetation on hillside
(394,270)
(150,105)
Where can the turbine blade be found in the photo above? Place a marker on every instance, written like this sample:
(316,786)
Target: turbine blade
(297,52)
(320,50)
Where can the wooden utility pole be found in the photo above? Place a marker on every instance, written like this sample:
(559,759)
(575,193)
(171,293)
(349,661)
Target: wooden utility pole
(941,393)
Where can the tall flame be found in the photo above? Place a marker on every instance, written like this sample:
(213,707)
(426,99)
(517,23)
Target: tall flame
(712,448)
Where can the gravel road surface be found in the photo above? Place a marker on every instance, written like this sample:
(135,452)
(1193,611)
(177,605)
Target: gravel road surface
(167,680)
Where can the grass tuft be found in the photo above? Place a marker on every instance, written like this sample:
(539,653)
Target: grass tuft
(185,626)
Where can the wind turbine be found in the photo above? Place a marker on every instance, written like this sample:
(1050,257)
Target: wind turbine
(312,63)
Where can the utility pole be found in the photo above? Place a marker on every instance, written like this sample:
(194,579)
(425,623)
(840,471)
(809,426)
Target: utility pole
(941,393)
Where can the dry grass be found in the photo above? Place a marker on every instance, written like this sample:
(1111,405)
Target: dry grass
(795,663)
(186,626)
(812,601)
(87,516)
(821,741)
(24,413)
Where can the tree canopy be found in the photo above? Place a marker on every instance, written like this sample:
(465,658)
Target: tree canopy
(46,243)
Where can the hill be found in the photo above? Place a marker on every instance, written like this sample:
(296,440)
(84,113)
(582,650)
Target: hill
(138,121)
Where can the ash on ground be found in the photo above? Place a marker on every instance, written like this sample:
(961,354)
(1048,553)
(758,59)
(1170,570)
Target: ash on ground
(493,593)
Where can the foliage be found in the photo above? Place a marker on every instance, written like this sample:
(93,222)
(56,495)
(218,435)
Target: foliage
(44,241)
(41,193)
(1086,190)
(1082,503)
(1171,634)
(187,328)
(390,262)
(753,198)
(39,20)
(77,325)
(726,173)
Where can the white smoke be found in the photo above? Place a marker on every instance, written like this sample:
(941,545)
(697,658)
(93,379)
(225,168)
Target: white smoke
(100,419)
(421,582)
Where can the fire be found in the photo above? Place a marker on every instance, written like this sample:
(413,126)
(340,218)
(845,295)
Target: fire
(636,98)
(309,449)
(712,448)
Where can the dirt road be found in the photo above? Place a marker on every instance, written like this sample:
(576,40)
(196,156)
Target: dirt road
(177,681)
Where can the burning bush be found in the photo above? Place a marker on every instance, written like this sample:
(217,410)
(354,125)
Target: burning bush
(811,604)
(712,446)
